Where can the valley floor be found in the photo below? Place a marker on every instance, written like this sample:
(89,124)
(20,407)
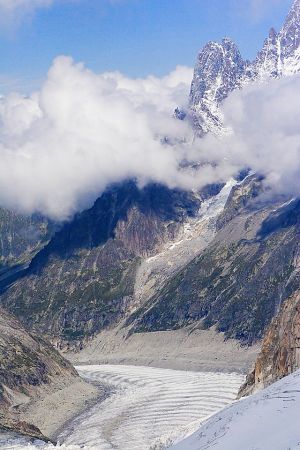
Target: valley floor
(161,385)
(190,348)
(72,400)
(147,408)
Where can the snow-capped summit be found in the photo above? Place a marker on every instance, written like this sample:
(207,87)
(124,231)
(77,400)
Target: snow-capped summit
(220,69)
(290,33)
(267,62)
(289,39)
(280,55)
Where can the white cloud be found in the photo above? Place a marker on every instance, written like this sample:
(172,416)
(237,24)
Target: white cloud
(62,146)
(13,11)
(256,10)
(11,5)
(265,119)
(259,8)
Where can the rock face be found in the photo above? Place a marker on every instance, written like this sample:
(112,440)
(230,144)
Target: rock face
(83,281)
(280,354)
(124,262)
(29,365)
(220,69)
(21,237)
(239,280)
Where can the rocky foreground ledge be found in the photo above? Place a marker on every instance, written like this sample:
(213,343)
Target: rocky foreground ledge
(280,352)
(39,389)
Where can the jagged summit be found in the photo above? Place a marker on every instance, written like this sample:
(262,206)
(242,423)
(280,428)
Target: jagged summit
(289,38)
(220,69)
(293,17)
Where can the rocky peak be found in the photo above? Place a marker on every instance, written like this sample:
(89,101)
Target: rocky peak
(266,64)
(280,353)
(217,72)
(280,54)
(220,69)
(272,34)
(30,368)
(290,32)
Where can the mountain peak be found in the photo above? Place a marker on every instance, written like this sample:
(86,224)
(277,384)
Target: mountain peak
(273,34)
(228,43)
(290,32)
(295,10)
(218,68)
(293,17)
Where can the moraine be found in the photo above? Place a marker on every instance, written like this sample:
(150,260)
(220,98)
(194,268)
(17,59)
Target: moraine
(148,408)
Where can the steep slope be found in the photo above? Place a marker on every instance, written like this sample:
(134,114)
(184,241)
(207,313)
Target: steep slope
(84,280)
(162,260)
(193,236)
(280,55)
(268,420)
(153,258)
(21,237)
(240,279)
(220,69)
(30,369)
(280,353)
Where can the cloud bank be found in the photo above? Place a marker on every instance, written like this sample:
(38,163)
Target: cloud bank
(61,147)
(265,119)
(14,11)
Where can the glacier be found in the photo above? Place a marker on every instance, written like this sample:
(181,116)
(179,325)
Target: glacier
(147,408)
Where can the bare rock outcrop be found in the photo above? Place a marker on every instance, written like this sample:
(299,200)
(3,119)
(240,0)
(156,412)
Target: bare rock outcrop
(30,368)
(280,353)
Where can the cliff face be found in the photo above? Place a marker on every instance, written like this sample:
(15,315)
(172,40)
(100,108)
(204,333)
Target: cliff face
(124,261)
(217,73)
(21,236)
(239,265)
(28,367)
(83,281)
(239,280)
(280,353)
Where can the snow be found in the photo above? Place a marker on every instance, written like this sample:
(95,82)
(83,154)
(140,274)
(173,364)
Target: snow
(292,64)
(220,70)
(268,420)
(195,235)
(148,408)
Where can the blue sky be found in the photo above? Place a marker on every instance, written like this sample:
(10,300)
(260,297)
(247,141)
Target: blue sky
(136,37)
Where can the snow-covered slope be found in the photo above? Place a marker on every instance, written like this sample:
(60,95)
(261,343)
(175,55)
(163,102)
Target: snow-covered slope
(268,420)
(280,54)
(218,71)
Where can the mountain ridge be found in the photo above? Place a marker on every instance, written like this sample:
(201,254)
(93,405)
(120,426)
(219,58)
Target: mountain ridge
(220,70)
